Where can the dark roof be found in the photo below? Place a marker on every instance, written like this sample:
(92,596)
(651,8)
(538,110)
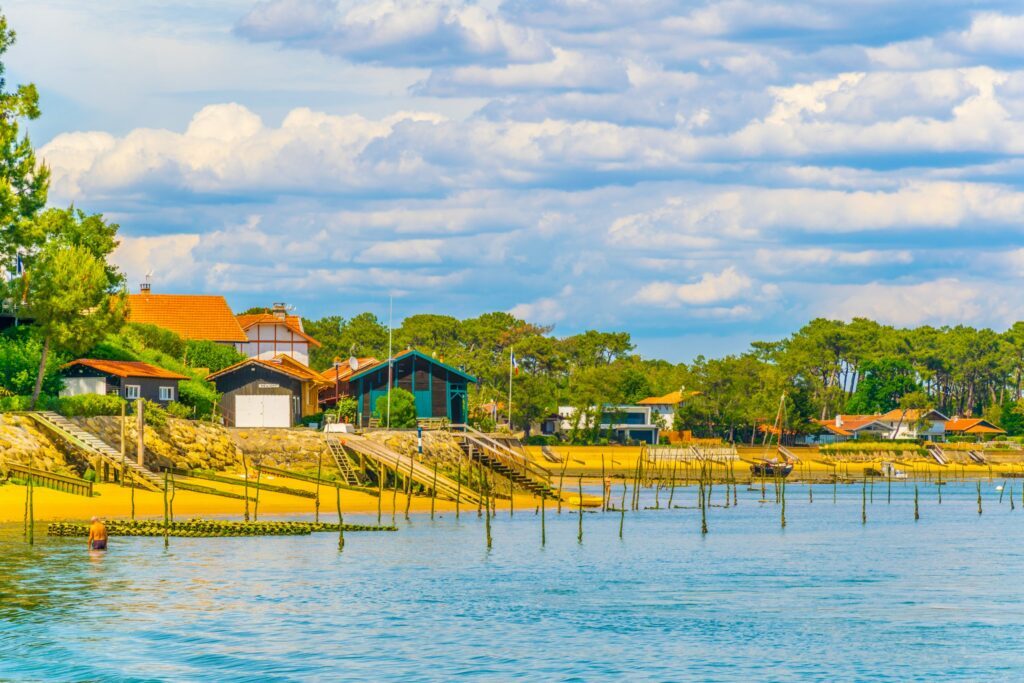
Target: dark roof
(125,368)
(405,354)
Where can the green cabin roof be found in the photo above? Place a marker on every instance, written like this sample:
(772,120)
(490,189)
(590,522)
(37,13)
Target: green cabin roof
(419,354)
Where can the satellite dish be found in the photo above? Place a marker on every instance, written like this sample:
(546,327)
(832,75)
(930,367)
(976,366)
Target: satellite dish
(353,363)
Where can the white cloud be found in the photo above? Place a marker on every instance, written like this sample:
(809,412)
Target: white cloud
(991,32)
(403,251)
(395,31)
(711,288)
(169,258)
(943,301)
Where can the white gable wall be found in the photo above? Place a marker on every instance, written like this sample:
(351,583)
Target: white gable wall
(267,341)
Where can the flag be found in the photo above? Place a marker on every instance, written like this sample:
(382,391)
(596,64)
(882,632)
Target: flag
(515,363)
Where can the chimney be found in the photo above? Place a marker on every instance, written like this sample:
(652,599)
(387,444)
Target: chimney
(144,288)
(280,311)
(839,420)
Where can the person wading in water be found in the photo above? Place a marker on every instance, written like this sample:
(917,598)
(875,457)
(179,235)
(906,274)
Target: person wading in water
(97,535)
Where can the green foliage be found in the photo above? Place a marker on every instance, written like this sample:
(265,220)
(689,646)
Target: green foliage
(201,353)
(403,409)
(179,410)
(89,405)
(90,475)
(881,385)
(362,336)
(315,418)
(346,409)
(20,353)
(199,396)
(156,338)
(542,440)
(15,404)
(153,414)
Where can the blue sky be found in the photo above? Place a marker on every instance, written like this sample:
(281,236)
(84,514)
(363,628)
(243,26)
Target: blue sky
(699,174)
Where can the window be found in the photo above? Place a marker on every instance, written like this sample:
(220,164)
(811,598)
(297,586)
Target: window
(132,391)
(166,393)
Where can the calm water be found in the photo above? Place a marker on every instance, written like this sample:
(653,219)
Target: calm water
(824,599)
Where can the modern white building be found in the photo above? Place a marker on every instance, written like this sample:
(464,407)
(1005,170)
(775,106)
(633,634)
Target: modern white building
(624,423)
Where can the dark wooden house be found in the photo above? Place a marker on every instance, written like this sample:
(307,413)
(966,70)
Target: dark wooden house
(440,390)
(274,392)
(128,379)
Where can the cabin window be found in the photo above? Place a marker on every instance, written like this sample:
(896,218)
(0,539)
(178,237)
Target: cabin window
(166,393)
(132,391)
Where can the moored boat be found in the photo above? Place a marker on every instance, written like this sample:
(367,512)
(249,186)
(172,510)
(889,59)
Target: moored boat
(771,468)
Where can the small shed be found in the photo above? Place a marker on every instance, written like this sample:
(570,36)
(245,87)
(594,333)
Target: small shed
(441,391)
(276,392)
(128,379)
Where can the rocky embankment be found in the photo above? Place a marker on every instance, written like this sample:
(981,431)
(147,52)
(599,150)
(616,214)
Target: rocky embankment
(180,443)
(298,448)
(24,442)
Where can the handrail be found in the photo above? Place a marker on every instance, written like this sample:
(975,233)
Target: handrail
(505,454)
(298,476)
(58,482)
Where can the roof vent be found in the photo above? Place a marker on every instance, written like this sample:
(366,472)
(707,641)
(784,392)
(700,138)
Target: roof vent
(280,311)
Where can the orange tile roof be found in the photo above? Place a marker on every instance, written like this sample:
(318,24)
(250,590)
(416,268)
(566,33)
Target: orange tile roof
(281,363)
(968,425)
(345,370)
(912,415)
(191,316)
(292,322)
(126,368)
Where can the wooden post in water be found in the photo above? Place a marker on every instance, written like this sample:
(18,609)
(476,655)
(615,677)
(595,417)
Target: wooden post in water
(30,493)
(735,491)
(433,491)
(316,503)
(380,489)
(256,506)
(487,518)
(480,499)
(408,487)
(167,539)
(672,486)
(458,488)
(579,534)
(1001,491)
(979,496)
(835,483)
(170,502)
(703,503)
(783,494)
(622,509)
(543,523)
(917,510)
(341,520)
(864,501)
(511,497)
(888,486)
(394,494)
(1011,498)
(132,493)
(245,482)
(604,502)
(561,478)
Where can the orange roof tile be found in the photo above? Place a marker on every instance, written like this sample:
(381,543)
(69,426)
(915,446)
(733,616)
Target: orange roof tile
(292,322)
(281,363)
(345,371)
(126,368)
(968,425)
(191,316)
(912,415)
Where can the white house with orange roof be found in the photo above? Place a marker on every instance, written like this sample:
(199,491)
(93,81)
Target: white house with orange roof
(273,333)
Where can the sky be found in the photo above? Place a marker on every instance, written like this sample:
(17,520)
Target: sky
(698,174)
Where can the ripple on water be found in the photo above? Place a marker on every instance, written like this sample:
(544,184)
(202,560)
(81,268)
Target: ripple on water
(827,598)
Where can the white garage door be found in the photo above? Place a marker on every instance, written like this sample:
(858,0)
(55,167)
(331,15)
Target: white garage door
(263,411)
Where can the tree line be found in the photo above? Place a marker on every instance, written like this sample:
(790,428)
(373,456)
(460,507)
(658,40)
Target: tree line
(825,368)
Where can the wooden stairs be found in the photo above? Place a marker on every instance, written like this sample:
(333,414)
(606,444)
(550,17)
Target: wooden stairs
(341,459)
(504,461)
(96,447)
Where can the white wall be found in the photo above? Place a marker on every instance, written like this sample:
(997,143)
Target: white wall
(287,342)
(76,386)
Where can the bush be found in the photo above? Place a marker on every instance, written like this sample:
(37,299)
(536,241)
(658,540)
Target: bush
(198,395)
(180,410)
(19,363)
(89,405)
(486,424)
(90,475)
(153,414)
(315,418)
(542,440)
(154,337)
(403,409)
(200,353)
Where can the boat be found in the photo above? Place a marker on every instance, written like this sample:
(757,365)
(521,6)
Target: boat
(889,470)
(771,469)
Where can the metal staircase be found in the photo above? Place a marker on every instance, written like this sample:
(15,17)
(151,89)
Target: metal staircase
(93,445)
(341,459)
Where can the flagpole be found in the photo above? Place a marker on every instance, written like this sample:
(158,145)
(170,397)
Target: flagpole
(511,363)
(391,310)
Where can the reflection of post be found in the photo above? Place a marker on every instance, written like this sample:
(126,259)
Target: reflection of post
(141,427)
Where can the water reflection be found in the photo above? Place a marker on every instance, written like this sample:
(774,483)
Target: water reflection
(825,598)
